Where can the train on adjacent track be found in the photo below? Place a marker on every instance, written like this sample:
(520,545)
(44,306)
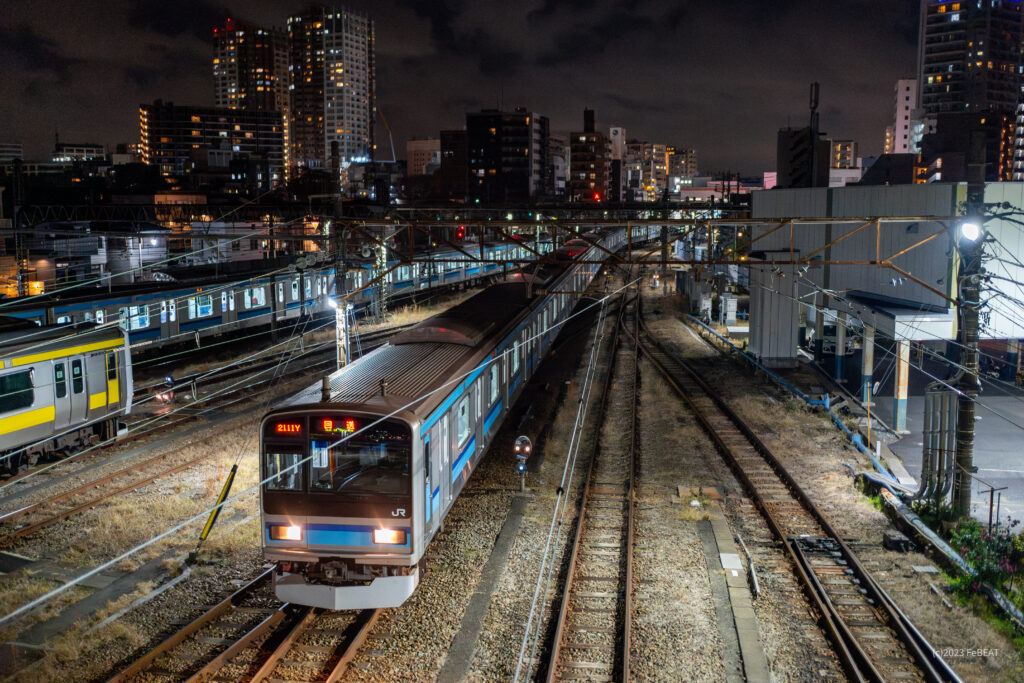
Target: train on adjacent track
(166,313)
(86,343)
(61,388)
(360,470)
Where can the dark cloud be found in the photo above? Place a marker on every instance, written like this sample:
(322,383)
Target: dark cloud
(164,63)
(491,56)
(584,43)
(185,17)
(550,7)
(24,46)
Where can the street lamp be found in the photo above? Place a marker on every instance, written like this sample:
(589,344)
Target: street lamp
(970,231)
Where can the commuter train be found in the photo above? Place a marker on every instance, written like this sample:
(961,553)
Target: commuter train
(164,313)
(362,468)
(61,388)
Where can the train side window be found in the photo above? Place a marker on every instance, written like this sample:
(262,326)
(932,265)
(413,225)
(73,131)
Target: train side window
(63,319)
(200,306)
(77,381)
(60,380)
(309,287)
(462,421)
(99,317)
(173,308)
(295,289)
(163,312)
(16,391)
(231,300)
(515,357)
(494,383)
(285,470)
(280,292)
(111,366)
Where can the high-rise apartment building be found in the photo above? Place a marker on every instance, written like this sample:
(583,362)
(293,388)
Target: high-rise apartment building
(682,162)
(508,155)
(903,136)
(589,163)
(843,154)
(250,67)
(969,56)
(332,83)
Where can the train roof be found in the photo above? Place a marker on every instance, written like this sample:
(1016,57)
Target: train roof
(77,337)
(471,321)
(436,350)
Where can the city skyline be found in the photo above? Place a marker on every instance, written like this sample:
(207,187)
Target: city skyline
(721,77)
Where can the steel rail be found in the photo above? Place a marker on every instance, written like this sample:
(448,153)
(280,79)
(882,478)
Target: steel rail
(223,607)
(855,659)
(563,607)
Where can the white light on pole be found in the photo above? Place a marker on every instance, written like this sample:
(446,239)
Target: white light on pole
(970,231)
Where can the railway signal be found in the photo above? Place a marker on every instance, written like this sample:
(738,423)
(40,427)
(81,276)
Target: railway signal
(523,448)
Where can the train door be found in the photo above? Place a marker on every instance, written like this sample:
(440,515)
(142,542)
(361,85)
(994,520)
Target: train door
(79,396)
(430,478)
(61,398)
(445,464)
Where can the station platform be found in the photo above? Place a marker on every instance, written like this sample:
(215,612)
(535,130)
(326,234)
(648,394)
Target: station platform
(999,432)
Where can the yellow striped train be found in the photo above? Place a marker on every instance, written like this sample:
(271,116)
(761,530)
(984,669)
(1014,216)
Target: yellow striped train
(61,388)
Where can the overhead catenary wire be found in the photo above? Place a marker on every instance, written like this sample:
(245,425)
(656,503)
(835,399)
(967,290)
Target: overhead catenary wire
(67,585)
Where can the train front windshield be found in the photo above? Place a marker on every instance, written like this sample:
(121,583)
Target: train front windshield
(338,455)
(377,465)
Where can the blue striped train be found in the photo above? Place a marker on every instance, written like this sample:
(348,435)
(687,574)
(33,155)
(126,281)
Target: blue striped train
(363,467)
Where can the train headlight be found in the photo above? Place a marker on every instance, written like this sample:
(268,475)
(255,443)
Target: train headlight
(279,532)
(389,536)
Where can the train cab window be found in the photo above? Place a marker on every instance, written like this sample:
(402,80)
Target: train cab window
(462,421)
(60,380)
(285,470)
(494,385)
(16,391)
(111,366)
(77,380)
(372,463)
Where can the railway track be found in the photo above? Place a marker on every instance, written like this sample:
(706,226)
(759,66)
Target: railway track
(592,638)
(294,644)
(872,638)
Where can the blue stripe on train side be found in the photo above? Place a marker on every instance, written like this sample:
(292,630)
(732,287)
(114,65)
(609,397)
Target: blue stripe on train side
(492,416)
(464,457)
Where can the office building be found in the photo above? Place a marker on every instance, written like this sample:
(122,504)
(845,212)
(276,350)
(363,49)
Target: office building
(422,156)
(9,151)
(507,155)
(454,164)
(802,158)
(172,137)
(589,162)
(78,151)
(332,84)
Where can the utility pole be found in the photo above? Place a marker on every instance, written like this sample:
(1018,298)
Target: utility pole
(969,238)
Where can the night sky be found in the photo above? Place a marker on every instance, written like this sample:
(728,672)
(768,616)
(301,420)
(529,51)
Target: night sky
(718,75)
